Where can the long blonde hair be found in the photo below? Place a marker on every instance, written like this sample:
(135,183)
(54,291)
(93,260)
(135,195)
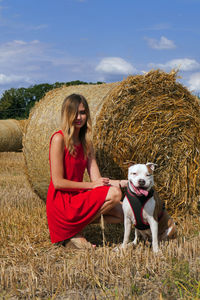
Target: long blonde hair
(68,114)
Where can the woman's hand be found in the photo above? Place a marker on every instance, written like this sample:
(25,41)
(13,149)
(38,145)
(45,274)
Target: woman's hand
(100,182)
(119,183)
(123,183)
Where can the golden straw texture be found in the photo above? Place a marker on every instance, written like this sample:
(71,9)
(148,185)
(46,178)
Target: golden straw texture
(10,136)
(153,118)
(22,124)
(44,120)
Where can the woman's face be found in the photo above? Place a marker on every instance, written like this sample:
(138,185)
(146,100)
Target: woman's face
(81,116)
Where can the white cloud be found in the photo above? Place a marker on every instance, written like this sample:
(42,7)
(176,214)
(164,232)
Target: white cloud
(19,42)
(33,55)
(161,44)
(182,64)
(5,79)
(115,66)
(30,62)
(194,82)
(23,62)
(38,27)
(19,52)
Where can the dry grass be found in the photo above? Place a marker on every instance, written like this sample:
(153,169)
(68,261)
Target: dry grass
(32,268)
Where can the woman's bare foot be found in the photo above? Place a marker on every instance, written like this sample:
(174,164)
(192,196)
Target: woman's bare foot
(70,245)
(79,242)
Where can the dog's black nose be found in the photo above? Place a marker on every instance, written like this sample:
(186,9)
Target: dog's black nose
(141,182)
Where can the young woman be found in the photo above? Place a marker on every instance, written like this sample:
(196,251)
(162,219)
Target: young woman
(72,203)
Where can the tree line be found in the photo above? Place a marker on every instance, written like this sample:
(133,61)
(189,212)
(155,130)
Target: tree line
(16,103)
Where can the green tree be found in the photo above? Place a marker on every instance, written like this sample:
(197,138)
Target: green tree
(16,103)
(12,104)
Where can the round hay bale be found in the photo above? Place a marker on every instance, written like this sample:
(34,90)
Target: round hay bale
(10,136)
(44,119)
(22,124)
(152,118)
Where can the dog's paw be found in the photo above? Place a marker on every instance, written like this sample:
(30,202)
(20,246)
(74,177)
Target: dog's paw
(134,243)
(129,246)
(117,249)
(122,248)
(158,252)
(155,248)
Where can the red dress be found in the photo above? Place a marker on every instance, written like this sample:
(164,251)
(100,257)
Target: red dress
(69,211)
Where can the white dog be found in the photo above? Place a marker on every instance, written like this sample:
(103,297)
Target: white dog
(143,208)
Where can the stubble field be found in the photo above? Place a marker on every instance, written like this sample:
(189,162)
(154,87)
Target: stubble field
(32,268)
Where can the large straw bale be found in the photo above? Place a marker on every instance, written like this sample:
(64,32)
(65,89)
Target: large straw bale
(44,119)
(10,136)
(22,124)
(153,118)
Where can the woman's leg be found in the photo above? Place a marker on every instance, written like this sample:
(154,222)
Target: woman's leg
(112,207)
(112,212)
(115,215)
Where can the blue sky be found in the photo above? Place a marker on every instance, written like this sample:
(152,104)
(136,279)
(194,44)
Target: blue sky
(97,40)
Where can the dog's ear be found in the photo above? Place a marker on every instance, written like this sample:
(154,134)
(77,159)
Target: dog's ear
(151,166)
(129,163)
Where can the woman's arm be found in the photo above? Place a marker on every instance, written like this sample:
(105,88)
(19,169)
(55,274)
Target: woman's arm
(120,183)
(93,169)
(57,167)
(94,173)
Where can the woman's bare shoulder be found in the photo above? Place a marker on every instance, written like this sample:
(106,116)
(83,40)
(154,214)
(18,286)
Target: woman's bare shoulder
(57,139)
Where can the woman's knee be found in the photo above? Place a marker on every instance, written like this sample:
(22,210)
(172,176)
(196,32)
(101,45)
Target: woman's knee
(115,194)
